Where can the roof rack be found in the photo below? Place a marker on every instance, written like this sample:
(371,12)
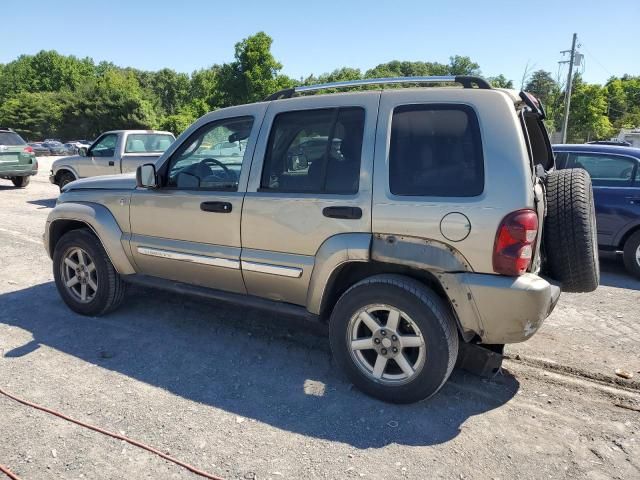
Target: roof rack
(467,81)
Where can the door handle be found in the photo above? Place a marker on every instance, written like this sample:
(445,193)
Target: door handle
(111,164)
(217,207)
(351,213)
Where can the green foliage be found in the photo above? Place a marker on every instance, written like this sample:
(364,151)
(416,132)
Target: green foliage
(253,75)
(500,82)
(459,65)
(53,95)
(112,101)
(35,115)
(178,122)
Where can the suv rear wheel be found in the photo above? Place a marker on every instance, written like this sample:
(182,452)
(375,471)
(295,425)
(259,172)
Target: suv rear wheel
(85,277)
(631,254)
(394,337)
(21,182)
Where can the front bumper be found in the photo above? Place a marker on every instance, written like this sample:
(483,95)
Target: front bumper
(507,309)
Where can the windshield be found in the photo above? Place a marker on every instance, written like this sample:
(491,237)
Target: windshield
(11,138)
(148,142)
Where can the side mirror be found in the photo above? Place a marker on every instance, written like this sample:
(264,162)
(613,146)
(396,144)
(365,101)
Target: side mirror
(146,176)
(82,151)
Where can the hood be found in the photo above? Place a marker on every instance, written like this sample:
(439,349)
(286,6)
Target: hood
(125,181)
(65,161)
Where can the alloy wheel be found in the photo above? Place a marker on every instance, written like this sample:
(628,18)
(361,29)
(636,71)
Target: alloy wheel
(386,344)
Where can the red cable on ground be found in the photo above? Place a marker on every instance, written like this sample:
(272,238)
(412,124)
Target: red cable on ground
(169,458)
(8,473)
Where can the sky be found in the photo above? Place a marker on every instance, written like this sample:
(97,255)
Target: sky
(318,37)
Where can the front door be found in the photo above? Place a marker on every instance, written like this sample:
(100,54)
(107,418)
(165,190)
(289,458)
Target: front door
(101,158)
(310,181)
(188,229)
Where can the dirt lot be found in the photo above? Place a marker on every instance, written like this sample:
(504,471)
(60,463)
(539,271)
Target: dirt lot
(247,395)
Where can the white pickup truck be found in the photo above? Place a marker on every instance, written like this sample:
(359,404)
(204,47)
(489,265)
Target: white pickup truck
(117,151)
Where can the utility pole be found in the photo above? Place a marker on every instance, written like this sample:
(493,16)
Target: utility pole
(567,95)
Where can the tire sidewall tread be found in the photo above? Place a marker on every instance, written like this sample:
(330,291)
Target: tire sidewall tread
(425,308)
(111,288)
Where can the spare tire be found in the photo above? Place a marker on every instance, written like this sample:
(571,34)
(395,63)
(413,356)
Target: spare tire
(569,233)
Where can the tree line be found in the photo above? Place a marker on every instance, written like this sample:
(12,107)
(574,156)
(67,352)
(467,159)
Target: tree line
(54,95)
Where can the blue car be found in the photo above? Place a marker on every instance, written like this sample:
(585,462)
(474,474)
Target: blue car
(615,173)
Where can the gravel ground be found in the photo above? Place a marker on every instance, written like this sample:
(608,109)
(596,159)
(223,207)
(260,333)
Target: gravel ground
(244,394)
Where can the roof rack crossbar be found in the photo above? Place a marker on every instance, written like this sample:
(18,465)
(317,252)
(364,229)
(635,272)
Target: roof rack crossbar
(467,81)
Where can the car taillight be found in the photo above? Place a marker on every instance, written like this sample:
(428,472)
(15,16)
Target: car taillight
(513,248)
(28,150)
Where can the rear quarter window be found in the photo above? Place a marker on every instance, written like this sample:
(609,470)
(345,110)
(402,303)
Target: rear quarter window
(435,150)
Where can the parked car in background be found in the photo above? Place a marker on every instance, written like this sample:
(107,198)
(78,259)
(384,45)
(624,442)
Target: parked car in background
(55,147)
(39,149)
(615,173)
(70,148)
(118,151)
(17,159)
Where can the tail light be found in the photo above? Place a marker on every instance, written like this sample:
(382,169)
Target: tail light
(513,248)
(28,150)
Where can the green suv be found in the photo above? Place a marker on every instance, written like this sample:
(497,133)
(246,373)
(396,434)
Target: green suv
(17,159)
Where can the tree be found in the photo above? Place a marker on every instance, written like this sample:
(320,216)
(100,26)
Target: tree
(542,86)
(171,89)
(46,71)
(396,68)
(254,74)
(459,65)
(35,116)
(203,90)
(500,82)
(588,116)
(112,101)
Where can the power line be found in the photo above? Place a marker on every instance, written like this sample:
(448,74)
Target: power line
(596,60)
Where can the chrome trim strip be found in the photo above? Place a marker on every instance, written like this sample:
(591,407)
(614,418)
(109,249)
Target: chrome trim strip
(189,257)
(280,270)
(376,81)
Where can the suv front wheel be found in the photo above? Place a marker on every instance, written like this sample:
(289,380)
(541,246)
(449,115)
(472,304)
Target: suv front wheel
(394,337)
(85,277)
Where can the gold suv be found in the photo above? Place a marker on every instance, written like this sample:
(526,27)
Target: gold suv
(414,221)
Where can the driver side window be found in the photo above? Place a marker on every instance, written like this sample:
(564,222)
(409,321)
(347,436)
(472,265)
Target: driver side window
(105,147)
(212,158)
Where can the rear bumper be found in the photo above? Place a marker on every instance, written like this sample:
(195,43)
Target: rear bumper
(508,309)
(18,172)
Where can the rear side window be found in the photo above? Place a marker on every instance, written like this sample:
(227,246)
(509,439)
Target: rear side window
(315,151)
(435,151)
(147,143)
(606,170)
(11,139)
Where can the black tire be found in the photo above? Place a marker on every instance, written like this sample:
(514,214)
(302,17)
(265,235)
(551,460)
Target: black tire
(630,255)
(64,178)
(569,231)
(425,308)
(111,288)
(21,182)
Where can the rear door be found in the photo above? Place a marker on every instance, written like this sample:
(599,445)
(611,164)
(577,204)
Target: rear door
(310,180)
(617,197)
